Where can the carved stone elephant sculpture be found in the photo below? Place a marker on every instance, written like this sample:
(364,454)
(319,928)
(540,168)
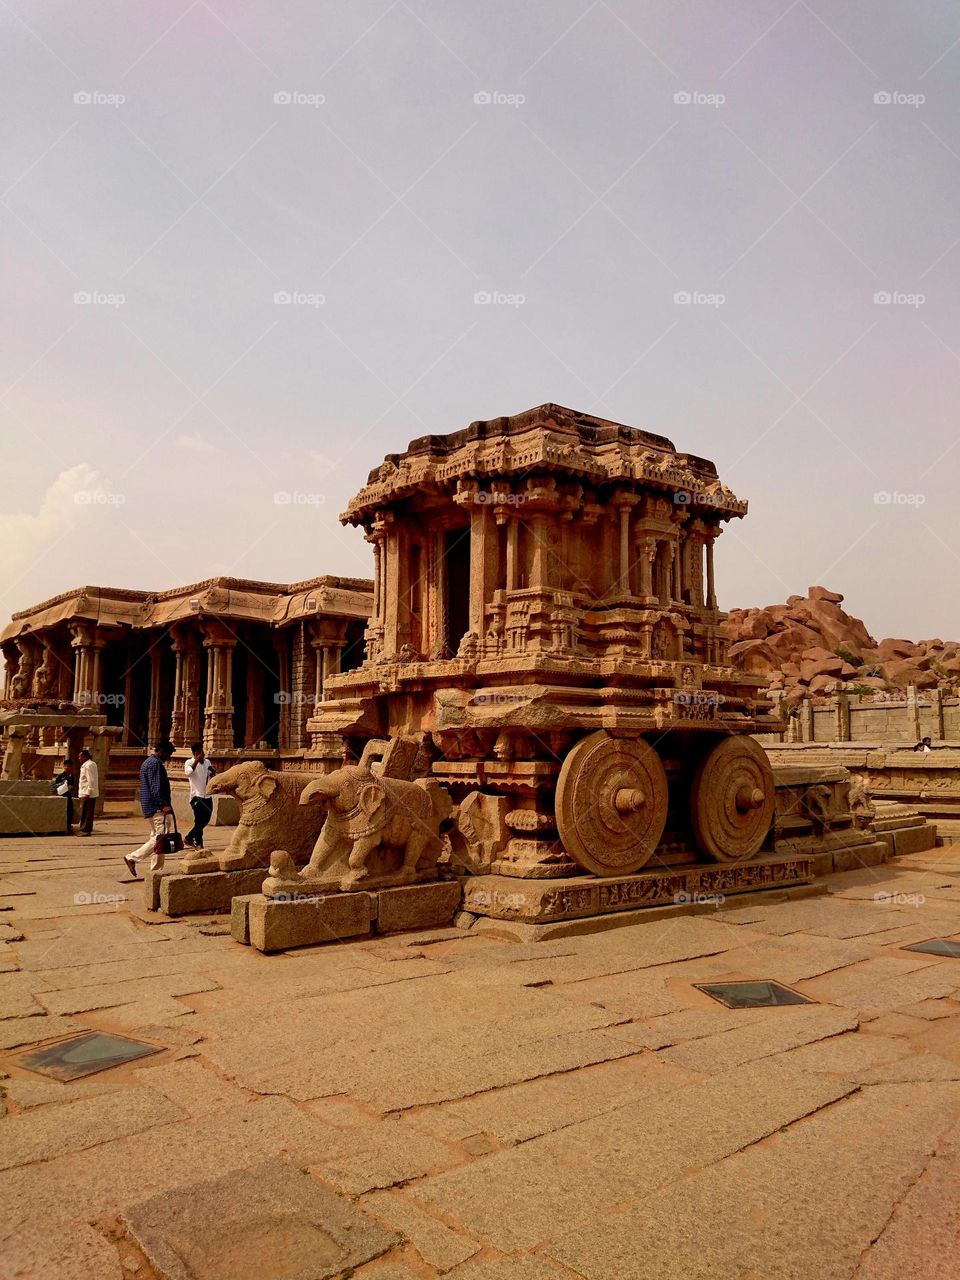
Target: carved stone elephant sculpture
(271,817)
(378,832)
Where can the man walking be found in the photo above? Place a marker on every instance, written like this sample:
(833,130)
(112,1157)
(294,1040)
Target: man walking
(154,804)
(199,770)
(88,791)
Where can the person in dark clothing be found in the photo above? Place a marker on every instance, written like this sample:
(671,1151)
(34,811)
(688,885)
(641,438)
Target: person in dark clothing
(154,804)
(65,784)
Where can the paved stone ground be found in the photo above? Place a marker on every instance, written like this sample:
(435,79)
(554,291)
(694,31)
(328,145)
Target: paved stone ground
(448,1104)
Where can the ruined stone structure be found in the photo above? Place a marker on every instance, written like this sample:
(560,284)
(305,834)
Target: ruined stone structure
(545,618)
(239,665)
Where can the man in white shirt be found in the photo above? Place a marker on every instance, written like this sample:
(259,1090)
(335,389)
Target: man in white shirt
(88,790)
(199,770)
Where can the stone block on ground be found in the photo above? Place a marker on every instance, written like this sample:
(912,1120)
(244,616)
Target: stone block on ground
(276,925)
(32,815)
(418,906)
(267,1220)
(186,894)
(240,917)
(151,887)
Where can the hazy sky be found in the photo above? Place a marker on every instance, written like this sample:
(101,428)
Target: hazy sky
(581,163)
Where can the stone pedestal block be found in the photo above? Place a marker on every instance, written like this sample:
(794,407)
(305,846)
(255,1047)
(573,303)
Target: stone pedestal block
(576,897)
(418,906)
(34,815)
(181,895)
(240,917)
(276,925)
(912,839)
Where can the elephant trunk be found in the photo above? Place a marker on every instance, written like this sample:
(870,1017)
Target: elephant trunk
(218,786)
(320,791)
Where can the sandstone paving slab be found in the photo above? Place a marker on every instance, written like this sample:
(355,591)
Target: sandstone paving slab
(269,1220)
(523,1111)
(921,1238)
(86,1122)
(83,999)
(195,1088)
(932,1010)
(159,963)
(388,1153)
(787,1209)
(74,1251)
(16,997)
(107,1178)
(490,1266)
(921,1066)
(633,995)
(435,1242)
(781,1029)
(826,918)
(845,1054)
(157,1010)
(527,1194)
(21,1031)
(687,1024)
(893,1024)
(872,995)
(37,1093)
(659,942)
(795,958)
(941,1037)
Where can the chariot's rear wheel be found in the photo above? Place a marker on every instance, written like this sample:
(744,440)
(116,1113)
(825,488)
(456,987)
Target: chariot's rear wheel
(611,804)
(731,800)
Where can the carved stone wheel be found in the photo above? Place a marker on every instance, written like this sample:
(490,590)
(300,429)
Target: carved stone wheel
(611,803)
(731,800)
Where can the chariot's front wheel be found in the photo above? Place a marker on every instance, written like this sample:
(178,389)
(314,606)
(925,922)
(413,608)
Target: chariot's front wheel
(732,800)
(611,804)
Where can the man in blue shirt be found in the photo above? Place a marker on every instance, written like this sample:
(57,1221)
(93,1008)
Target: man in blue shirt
(154,804)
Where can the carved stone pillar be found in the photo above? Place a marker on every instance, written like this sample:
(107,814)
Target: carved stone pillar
(646,555)
(328,638)
(156,709)
(218,713)
(711,584)
(292,706)
(178,714)
(80,643)
(483,565)
(13,743)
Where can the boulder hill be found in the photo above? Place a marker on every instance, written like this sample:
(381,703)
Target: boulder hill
(810,646)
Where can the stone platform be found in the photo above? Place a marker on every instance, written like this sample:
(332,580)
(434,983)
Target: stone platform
(275,924)
(181,894)
(577,897)
(31,809)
